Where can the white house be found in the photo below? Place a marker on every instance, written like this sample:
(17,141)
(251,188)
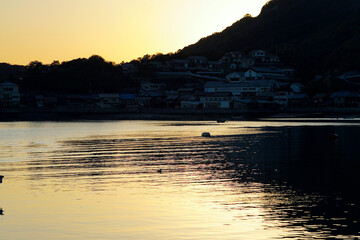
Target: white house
(219,100)
(251,74)
(9,95)
(259,54)
(262,56)
(282,97)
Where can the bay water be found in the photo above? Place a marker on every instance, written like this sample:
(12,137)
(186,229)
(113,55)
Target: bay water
(249,180)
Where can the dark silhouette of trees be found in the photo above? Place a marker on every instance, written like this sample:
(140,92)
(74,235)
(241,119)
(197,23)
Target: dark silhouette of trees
(81,75)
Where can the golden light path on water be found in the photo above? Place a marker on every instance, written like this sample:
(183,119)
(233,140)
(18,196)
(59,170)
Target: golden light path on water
(99,180)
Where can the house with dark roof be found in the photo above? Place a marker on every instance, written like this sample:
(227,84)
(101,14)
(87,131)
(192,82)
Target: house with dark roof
(9,95)
(255,88)
(266,73)
(107,100)
(345,99)
(180,65)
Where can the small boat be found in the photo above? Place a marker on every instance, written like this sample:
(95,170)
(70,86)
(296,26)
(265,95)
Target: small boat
(1,178)
(205,134)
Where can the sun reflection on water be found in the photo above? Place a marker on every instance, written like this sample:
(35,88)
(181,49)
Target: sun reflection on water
(251,180)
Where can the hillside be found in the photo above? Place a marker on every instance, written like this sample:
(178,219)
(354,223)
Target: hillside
(317,36)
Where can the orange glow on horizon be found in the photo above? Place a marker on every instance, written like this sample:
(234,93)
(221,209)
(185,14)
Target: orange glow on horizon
(118,30)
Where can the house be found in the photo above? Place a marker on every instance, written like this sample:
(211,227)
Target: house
(128,100)
(148,86)
(322,99)
(246,63)
(232,57)
(297,87)
(218,100)
(266,73)
(198,60)
(282,97)
(299,100)
(346,99)
(259,88)
(180,64)
(252,74)
(51,100)
(271,58)
(108,100)
(258,55)
(143,102)
(265,104)
(39,100)
(288,71)
(185,91)
(129,68)
(243,104)
(349,75)
(246,104)
(191,104)
(9,95)
(173,100)
(352,77)
(80,100)
(235,61)
(214,66)
(339,98)
(236,77)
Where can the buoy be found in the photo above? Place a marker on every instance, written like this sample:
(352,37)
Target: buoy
(334,137)
(205,134)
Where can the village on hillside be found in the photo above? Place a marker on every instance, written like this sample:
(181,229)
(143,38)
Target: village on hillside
(254,82)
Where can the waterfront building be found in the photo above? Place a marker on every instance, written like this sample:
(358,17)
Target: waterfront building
(9,95)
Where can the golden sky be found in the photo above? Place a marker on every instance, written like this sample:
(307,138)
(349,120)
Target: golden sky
(118,30)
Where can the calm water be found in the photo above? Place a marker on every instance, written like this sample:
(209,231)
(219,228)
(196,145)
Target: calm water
(250,180)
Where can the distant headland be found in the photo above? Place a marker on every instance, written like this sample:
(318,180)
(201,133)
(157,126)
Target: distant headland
(295,57)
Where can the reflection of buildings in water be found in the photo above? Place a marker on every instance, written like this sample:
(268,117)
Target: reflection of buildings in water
(305,175)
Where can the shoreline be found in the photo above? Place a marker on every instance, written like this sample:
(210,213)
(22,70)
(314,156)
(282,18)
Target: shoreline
(300,114)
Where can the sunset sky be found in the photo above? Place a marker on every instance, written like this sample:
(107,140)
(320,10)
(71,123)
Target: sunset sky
(118,30)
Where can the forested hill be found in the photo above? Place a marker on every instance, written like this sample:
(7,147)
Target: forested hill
(317,36)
